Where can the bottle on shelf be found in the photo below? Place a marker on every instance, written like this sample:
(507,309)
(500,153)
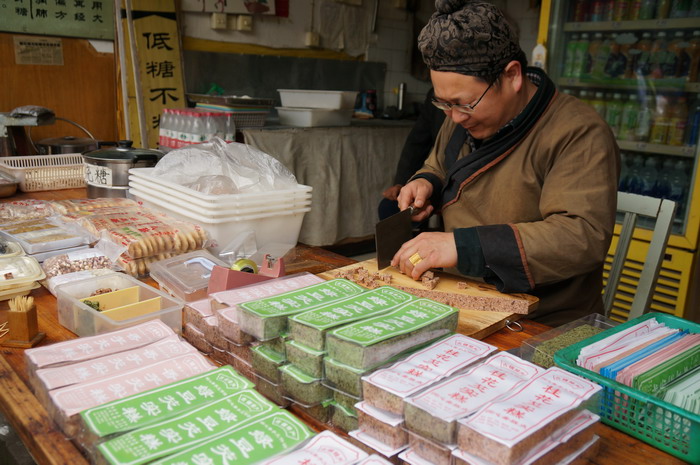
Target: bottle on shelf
(634,181)
(624,172)
(693,125)
(230,129)
(628,49)
(679,184)
(642,9)
(678,121)
(663,8)
(570,56)
(630,118)
(583,95)
(661,122)
(642,56)
(581,55)
(693,50)
(592,54)
(597,10)
(608,10)
(580,11)
(644,118)
(663,182)
(617,61)
(680,8)
(680,60)
(600,57)
(694,11)
(621,10)
(613,113)
(648,175)
(659,56)
(598,104)
(164,127)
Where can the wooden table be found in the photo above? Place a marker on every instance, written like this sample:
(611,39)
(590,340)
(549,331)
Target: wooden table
(48,446)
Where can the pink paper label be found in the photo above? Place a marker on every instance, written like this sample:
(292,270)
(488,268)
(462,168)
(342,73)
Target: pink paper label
(74,399)
(462,395)
(265,289)
(532,406)
(429,365)
(85,348)
(324,449)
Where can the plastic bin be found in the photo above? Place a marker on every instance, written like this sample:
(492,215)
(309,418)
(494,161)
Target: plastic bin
(86,321)
(328,99)
(46,172)
(312,117)
(663,425)
(19,272)
(185,276)
(278,227)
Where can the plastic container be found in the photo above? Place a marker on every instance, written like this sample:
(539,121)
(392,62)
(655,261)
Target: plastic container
(303,388)
(345,419)
(19,272)
(42,256)
(310,361)
(312,117)
(8,294)
(661,424)
(84,320)
(328,99)
(276,227)
(186,276)
(272,391)
(46,172)
(540,349)
(267,363)
(12,249)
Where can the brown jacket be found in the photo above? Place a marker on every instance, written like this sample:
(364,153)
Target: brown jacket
(553,196)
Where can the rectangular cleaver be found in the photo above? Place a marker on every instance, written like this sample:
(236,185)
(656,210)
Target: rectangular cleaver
(390,234)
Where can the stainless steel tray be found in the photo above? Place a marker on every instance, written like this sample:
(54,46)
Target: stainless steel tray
(231,100)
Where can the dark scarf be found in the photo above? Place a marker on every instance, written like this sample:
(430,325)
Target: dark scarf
(493,150)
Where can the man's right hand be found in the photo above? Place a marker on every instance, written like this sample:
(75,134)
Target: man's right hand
(417,193)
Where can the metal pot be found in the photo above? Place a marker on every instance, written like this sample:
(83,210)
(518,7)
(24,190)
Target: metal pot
(68,144)
(107,170)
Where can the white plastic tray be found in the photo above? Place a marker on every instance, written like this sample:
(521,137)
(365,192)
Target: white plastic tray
(278,227)
(328,99)
(191,203)
(312,117)
(232,199)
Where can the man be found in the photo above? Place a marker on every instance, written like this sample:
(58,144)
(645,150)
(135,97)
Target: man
(525,177)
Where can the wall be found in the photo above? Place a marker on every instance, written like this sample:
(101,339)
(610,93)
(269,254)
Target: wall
(392,42)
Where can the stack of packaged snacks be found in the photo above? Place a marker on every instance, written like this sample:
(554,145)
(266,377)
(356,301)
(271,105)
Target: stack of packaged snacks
(385,391)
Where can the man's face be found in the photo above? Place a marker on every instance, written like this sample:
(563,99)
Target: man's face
(488,116)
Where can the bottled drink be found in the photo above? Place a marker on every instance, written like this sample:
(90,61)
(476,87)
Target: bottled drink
(629,118)
(570,56)
(230,131)
(597,10)
(644,9)
(680,8)
(663,181)
(598,103)
(615,66)
(680,182)
(678,51)
(210,129)
(628,50)
(608,10)
(581,54)
(592,54)
(601,57)
(647,178)
(659,56)
(580,12)
(663,8)
(584,97)
(164,127)
(634,183)
(644,119)
(678,120)
(187,129)
(642,62)
(613,113)
(694,11)
(624,172)
(693,50)
(693,125)
(621,10)
(661,122)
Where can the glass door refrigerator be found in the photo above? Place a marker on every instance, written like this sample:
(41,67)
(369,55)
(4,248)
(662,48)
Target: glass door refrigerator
(637,64)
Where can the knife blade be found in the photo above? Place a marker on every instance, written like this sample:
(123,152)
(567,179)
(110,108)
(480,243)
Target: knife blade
(390,234)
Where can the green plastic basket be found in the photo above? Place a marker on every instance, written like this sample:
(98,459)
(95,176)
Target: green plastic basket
(663,425)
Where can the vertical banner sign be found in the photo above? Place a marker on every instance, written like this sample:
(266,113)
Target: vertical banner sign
(157,67)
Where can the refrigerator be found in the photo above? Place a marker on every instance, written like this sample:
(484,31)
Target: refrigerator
(636,63)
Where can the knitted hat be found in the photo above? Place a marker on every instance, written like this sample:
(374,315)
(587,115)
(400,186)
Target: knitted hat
(469,37)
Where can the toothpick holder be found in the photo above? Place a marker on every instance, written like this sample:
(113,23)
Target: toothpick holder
(23,329)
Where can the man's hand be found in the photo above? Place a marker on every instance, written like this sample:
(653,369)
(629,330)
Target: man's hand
(392,193)
(417,193)
(427,250)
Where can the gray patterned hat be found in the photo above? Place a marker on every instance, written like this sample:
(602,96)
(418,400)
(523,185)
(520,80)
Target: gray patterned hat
(468,37)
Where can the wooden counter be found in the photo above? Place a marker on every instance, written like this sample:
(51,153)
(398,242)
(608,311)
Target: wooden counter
(48,446)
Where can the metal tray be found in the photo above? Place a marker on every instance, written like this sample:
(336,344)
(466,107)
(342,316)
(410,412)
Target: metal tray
(231,100)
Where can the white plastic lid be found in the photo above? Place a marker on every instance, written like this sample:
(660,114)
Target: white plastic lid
(185,274)
(13,249)
(16,271)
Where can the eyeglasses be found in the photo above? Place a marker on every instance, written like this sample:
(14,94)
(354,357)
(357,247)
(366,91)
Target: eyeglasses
(462,108)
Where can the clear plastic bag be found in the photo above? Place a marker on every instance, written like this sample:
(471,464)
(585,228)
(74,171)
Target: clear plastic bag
(219,168)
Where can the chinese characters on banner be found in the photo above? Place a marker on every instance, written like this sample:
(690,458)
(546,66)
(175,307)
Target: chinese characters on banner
(160,67)
(89,19)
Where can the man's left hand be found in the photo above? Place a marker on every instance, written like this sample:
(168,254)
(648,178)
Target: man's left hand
(427,250)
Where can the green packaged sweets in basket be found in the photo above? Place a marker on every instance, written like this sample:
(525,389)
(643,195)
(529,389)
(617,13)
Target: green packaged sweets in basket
(266,362)
(367,343)
(263,438)
(267,318)
(301,387)
(175,434)
(309,328)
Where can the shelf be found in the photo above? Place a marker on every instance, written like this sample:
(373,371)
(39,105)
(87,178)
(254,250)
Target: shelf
(639,25)
(678,151)
(658,85)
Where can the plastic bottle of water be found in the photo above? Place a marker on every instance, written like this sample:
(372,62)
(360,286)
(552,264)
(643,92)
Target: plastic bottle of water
(230,132)
(628,120)
(648,176)
(693,127)
(663,182)
(634,184)
(680,182)
(209,126)
(624,172)
(613,113)
(187,129)
(164,127)
(570,56)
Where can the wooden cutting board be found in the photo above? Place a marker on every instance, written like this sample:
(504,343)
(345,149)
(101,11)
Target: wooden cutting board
(475,318)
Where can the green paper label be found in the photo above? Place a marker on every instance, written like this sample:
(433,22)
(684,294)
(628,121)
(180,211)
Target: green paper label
(367,304)
(652,380)
(155,405)
(302,299)
(146,444)
(251,443)
(410,317)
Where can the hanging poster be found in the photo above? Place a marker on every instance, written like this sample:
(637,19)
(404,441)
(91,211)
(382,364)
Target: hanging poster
(88,19)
